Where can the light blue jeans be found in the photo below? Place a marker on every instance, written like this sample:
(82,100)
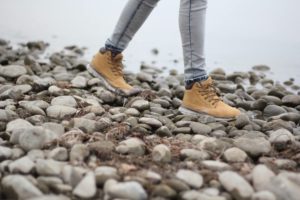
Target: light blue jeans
(192,28)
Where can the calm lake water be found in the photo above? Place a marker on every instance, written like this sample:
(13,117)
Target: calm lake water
(239,34)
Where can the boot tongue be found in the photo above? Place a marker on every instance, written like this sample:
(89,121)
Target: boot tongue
(207,82)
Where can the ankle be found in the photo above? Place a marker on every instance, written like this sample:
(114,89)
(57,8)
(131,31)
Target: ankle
(114,50)
(189,83)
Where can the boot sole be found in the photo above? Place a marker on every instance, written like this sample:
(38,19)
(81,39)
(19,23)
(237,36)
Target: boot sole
(187,111)
(106,84)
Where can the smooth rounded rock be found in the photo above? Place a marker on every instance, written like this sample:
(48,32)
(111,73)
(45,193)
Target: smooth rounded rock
(191,178)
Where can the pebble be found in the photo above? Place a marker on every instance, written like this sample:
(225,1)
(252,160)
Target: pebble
(273,110)
(33,138)
(195,195)
(48,167)
(161,153)
(282,187)
(280,138)
(235,155)
(5,153)
(193,154)
(18,187)
(64,101)
(241,121)
(86,188)
(60,112)
(103,173)
(236,185)
(261,176)
(22,165)
(79,82)
(151,121)
(199,128)
(291,100)
(263,195)
(191,178)
(163,131)
(253,145)
(59,154)
(126,190)
(79,152)
(12,71)
(215,165)
(141,105)
(163,190)
(133,146)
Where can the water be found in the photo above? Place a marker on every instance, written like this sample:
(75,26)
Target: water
(239,34)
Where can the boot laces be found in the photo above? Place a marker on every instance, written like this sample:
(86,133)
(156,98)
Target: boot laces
(116,63)
(209,92)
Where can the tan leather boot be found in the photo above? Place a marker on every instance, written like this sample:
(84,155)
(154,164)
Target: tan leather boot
(203,99)
(109,70)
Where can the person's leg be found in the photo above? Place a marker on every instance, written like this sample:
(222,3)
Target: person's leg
(107,63)
(192,28)
(132,18)
(200,96)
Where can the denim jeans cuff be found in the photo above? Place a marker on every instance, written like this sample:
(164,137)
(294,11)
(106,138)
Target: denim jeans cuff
(194,80)
(113,48)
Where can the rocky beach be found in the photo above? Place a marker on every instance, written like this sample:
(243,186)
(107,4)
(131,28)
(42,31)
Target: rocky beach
(64,136)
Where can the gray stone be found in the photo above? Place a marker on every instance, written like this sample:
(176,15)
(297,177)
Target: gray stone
(12,71)
(163,190)
(64,101)
(32,138)
(86,188)
(236,185)
(59,154)
(36,154)
(104,173)
(215,145)
(161,153)
(191,178)
(79,152)
(133,146)
(86,125)
(280,138)
(51,197)
(283,187)
(263,195)
(242,120)
(253,145)
(60,112)
(261,176)
(141,105)
(132,112)
(5,153)
(215,165)
(127,190)
(17,124)
(273,110)
(291,100)
(193,154)
(79,82)
(18,187)
(197,195)
(22,165)
(163,131)
(151,121)
(48,167)
(144,77)
(235,155)
(199,128)
(53,130)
